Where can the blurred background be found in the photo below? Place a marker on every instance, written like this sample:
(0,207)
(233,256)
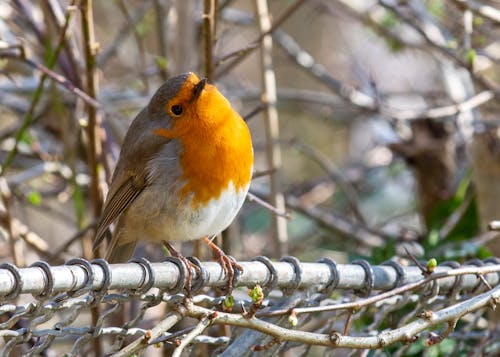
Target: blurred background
(374,123)
(383,134)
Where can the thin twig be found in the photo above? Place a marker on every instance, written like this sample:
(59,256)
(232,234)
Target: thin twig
(254,198)
(348,322)
(456,216)
(77,236)
(198,330)
(139,344)
(262,173)
(416,262)
(259,108)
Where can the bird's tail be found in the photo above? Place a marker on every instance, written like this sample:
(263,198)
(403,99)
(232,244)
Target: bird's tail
(119,253)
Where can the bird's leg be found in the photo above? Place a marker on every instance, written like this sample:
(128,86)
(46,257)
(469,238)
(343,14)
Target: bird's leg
(174,253)
(227,263)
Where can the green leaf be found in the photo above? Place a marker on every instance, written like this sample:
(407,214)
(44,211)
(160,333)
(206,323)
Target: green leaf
(436,8)
(433,237)
(389,19)
(161,62)
(145,25)
(78,203)
(431,265)
(471,56)
(26,138)
(34,198)
(228,301)
(478,21)
(256,294)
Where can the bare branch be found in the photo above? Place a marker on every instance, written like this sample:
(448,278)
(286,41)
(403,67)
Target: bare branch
(271,121)
(198,330)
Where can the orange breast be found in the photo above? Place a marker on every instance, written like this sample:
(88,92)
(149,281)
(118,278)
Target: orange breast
(216,144)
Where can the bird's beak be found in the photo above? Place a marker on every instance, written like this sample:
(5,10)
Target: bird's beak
(198,88)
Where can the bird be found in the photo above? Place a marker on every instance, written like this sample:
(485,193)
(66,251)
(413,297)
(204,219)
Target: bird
(183,172)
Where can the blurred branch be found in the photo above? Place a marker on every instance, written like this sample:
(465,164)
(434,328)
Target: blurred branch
(122,34)
(68,60)
(254,198)
(56,77)
(93,146)
(480,9)
(241,54)
(161,12)
(141,49)
(7,222)
(93,127)
(292,95)
(210,8)
(440,112)
(262,173)
(339,225)
(185,50)
(468,21)
(28,117)
(335,175)
(429,33)
(305,61)
(367,17)
(33,240)
(271,121)
(60,79)
(31,20)
(457,215)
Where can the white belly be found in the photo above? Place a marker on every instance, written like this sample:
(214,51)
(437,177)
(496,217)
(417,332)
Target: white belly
(174,222)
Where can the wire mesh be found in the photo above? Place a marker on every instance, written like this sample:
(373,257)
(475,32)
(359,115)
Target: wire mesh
(47,308)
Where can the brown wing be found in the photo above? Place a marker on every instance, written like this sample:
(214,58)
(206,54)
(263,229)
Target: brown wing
(129,178)
(116,204)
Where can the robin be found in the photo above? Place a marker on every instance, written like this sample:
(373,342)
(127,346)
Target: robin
(183,173)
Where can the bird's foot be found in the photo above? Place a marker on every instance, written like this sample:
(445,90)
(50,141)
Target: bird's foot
(227,263)
(189,277)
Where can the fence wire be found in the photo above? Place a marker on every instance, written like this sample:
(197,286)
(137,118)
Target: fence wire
(135,306)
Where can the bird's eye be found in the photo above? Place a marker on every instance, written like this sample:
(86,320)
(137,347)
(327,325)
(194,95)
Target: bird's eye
(176,109)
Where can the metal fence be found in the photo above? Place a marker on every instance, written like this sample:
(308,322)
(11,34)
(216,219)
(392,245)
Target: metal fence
(92,307)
